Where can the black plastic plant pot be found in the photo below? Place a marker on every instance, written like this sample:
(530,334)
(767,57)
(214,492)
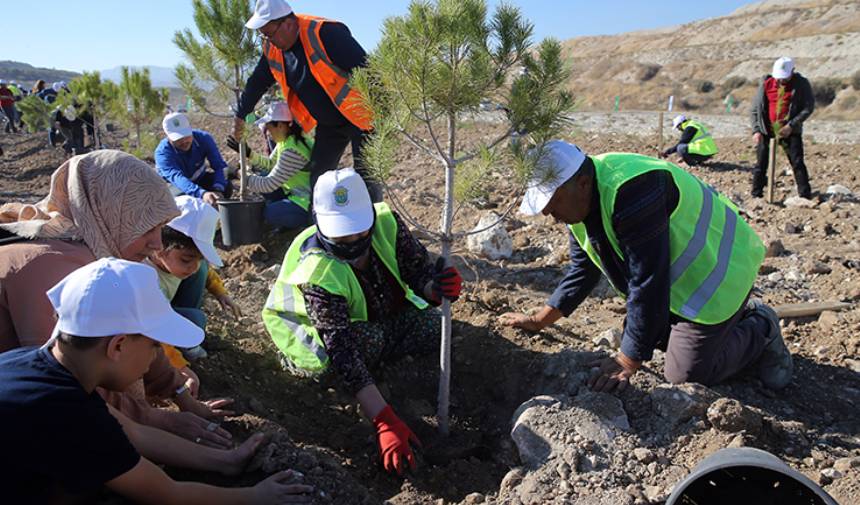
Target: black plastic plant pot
(746,475)
(241,221)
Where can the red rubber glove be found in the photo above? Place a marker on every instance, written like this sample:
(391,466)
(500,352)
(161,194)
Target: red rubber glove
(447,282)
(393,437)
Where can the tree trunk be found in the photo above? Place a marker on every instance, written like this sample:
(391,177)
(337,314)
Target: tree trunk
(445,346)
(96,140)
(137,128)
(243,173)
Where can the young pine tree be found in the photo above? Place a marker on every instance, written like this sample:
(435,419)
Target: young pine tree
(223,58)
(138,103)
(434,67)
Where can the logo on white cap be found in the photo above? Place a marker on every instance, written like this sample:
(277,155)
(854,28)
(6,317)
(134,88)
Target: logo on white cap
(111,297)
(198,220)
(783,68)
(176,126)
(342,203)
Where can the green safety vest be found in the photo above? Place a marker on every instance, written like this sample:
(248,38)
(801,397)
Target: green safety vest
(714,254)
(298,186)
(702,142)
(285,315)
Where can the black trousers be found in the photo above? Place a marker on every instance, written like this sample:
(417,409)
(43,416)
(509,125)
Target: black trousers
(329,144)
(793,148)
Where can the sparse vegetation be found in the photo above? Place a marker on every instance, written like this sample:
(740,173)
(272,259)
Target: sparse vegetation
(734,82)
(825,91)
(648,72)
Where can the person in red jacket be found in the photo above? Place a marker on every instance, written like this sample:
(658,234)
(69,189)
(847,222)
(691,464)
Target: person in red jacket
(7,103)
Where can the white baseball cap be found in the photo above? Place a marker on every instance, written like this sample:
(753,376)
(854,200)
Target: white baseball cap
(680,118)
(117,297)
(783,68)
(342,204)
(268,10)
(57,86)
(176,126)
(198,220)
(558,162)
(3,81)
(278,111)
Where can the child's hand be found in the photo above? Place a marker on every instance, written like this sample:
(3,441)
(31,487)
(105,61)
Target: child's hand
(193,381)
(227,303)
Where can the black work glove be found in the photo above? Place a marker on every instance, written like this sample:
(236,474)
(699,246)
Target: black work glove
(233,144)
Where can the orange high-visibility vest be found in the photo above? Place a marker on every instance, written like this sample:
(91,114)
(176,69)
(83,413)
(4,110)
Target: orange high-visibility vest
(333,80)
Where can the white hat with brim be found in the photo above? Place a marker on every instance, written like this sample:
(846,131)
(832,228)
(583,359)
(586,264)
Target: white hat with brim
(176,126)
(558,161)
(199,221)
(268,10)
(783,68)
(111,297)
(342,204)
(678,120)
(278,111)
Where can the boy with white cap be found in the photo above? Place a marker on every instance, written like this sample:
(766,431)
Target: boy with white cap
(695,145)
(784,100)
(183,265)
(287,185)
(181,160)
(686,271)
(311,59)
(353,292)
(62,443)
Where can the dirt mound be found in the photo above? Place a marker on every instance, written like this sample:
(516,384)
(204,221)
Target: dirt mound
(812,424)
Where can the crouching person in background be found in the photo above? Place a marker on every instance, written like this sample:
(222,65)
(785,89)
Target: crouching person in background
(347,298)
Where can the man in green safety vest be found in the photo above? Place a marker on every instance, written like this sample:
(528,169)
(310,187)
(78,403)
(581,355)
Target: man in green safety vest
(354,291)
(675,249)
(696,144)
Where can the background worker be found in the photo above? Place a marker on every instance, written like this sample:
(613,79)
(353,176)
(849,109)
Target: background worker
(311,58)
(286,184)
(181,160)
(695,145)
(352,293)
(784,100)
(686,271)
(62,443)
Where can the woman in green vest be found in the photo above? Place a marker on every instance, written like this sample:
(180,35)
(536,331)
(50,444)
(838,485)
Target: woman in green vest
(352,293)
(286,184)
(675,249)
(696,144)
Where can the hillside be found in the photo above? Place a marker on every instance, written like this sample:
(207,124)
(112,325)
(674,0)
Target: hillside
(28,74)
(700,62)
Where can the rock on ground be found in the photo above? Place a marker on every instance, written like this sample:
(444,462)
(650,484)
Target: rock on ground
(731,416)
(677,403)
(494,243)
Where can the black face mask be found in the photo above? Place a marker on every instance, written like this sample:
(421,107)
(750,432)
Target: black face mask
(349,252)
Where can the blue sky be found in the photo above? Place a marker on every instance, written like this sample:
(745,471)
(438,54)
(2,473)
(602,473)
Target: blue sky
(99,34)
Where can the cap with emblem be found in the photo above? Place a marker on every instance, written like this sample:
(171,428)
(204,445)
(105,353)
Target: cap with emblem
(342,203)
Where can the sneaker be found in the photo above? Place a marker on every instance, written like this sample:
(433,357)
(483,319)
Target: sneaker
(195,353)
(775,365)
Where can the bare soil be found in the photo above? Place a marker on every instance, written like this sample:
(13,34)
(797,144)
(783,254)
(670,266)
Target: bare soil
(317,429)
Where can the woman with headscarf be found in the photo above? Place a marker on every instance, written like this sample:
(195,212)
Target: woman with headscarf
(102,204)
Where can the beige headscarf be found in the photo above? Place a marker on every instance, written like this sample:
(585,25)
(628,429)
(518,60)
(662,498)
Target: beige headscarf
(106,198)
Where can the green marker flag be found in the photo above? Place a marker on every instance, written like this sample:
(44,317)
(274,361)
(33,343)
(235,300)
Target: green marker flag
(250,118)
(617,102)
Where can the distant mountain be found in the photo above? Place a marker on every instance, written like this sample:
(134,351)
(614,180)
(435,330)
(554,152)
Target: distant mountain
(162,77)
(27,75)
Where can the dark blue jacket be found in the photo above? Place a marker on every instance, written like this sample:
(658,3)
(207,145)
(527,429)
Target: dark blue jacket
(182,169)
(641,222)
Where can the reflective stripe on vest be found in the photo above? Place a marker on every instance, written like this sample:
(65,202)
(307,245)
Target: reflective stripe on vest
(333,80)
(298,186)
(714,254)
(702,143)
(285,315)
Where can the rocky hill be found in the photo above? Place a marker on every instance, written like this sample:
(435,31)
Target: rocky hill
(26,74)
(701,62)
